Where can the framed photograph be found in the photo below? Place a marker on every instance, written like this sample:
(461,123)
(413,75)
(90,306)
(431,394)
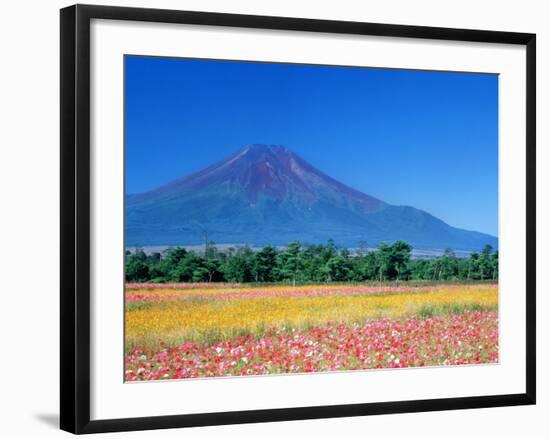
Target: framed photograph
(274,218)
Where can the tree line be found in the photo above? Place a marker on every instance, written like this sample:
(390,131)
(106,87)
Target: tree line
(297,263)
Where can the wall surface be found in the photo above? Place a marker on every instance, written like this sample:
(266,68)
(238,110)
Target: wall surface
(29,169)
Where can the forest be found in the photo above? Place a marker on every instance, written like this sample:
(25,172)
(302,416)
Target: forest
(297,263)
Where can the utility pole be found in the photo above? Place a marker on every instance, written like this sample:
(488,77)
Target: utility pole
(204,235)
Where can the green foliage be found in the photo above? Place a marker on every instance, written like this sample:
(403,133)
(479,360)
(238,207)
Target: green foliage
(263,264)
(313,263)
(290,262)
(238,266)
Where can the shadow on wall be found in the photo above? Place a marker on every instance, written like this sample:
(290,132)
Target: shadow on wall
(49,419)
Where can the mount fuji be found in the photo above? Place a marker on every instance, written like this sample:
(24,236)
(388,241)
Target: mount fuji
(266,194)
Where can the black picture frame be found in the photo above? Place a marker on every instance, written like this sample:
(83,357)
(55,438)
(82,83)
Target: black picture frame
(75,217)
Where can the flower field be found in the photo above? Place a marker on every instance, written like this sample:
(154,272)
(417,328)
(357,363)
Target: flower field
(209,330)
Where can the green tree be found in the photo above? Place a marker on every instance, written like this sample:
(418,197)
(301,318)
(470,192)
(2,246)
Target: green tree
(136,270)
(400,254)
(484,263)
(337,269)
(212,263)
(449,265)
(186,269)
(263,264)
(474,273)
(420,269)
(311,256)
(383,261)
(238,265)
(290,262)
(167,269)
(200,274)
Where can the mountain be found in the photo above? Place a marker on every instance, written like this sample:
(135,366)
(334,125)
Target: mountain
(266,194)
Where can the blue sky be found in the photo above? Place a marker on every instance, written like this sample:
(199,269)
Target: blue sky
(417,138)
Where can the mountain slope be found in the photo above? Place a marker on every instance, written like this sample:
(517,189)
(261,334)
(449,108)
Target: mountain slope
(265,194)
